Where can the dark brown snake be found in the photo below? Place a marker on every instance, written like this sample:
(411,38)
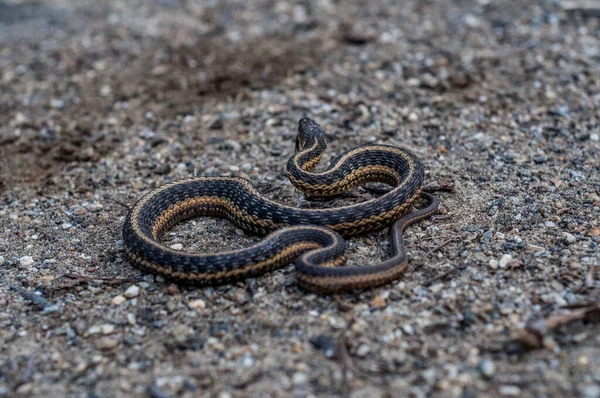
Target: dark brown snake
(309,237)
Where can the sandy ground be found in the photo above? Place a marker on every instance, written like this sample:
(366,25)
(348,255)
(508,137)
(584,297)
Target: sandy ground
(101,101)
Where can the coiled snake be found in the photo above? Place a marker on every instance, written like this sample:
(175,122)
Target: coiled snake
(309,237)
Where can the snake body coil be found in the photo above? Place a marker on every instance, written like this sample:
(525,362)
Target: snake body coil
(310,237)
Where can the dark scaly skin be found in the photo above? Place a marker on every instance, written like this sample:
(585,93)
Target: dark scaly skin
(307,232)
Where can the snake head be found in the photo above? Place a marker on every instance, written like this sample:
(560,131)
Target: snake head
(308,131)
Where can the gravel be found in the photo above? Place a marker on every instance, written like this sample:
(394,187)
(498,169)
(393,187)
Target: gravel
(102,101)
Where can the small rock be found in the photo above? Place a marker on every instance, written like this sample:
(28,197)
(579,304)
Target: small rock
(94,206)
(132,291)
(590,391)
(413,117)
(493,263)
(66,225)
(594,137)
(487,368)
(592,232)
(232,145)
(510,390)
(299,379)
(26,261)
(363,350)
(379,302)
(428,81)
(436,288)
(359,34)
(176,246)
(106,343)
(234,168)
(504,260)
(540,158)
(569,238)
(2,260)
(107,329)
(197,305)
(118,300)
(173,289)
(81,367)
(325,343)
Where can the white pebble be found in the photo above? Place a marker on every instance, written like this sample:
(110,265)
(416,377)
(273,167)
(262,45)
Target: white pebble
(131,319)
(510,390)
(493,263)
(197,304)
(363,350)
(107,328)
(299,379)
(569,238)
(234,168)
(594,137)
(176,246)
(413,117)
(94,206)
(436,288)
(26,261)
(132,291)
(66,225)
(504,260)
(118,300)
(2,260)
(106,343)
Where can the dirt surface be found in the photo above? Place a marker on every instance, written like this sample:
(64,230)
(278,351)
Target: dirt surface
(101,101)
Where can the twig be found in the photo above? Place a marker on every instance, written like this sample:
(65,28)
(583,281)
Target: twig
(441,276)
(76,279)
(28,370)
(533,334)
(251,379)
(97,278)
(444,243)
(344,305)
(344,358)
(125,205)
(36,299)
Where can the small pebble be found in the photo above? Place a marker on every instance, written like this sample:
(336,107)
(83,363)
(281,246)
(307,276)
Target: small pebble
(176,246)
(106,343)
(118,300)
(197,304)
(2,260)
(26,261)
(510,390)
(363,350)
(299,379)
(493,263)
(504,260)
(487,368)
(594,137)
(569,238)
(378,302)
(413,117)
(107,328)
(132,291)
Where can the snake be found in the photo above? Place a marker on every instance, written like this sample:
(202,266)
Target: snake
(310,238)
